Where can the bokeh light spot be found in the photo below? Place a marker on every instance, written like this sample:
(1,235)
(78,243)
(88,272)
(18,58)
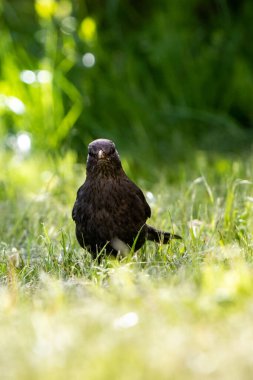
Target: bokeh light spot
(89,60)
(23,142)
(88,29)
(150,195)
(46,8)
(15,105)
(44,76)
(68,25)
(28,76)
(64,9)
(126,321)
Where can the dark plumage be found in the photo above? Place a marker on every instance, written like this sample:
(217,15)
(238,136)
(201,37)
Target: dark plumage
(110,211)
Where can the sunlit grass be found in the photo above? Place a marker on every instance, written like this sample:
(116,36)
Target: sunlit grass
(179,311)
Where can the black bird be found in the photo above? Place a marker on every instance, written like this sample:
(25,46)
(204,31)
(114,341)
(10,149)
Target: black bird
(110,211)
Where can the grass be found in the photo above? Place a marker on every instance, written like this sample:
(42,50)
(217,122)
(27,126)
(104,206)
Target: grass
(182,311)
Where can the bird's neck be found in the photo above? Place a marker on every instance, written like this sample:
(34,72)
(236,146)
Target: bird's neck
(104,172)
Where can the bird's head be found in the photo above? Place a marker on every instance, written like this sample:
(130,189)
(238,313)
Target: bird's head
(103,157)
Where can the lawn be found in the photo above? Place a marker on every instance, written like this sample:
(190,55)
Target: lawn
(182,311)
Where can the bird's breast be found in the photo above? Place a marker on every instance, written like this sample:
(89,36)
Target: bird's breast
(105,194)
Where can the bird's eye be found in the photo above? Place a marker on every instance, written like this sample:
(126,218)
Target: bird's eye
(92,154)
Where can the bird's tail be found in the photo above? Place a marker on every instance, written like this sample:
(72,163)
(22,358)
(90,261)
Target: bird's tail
(160,236)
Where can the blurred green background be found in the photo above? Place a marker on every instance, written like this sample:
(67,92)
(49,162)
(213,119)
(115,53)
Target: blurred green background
(161,78)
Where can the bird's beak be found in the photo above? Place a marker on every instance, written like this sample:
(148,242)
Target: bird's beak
(101,154)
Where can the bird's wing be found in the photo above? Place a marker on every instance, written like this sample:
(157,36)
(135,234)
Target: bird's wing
(74,211)
(77,213)
(134,188)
